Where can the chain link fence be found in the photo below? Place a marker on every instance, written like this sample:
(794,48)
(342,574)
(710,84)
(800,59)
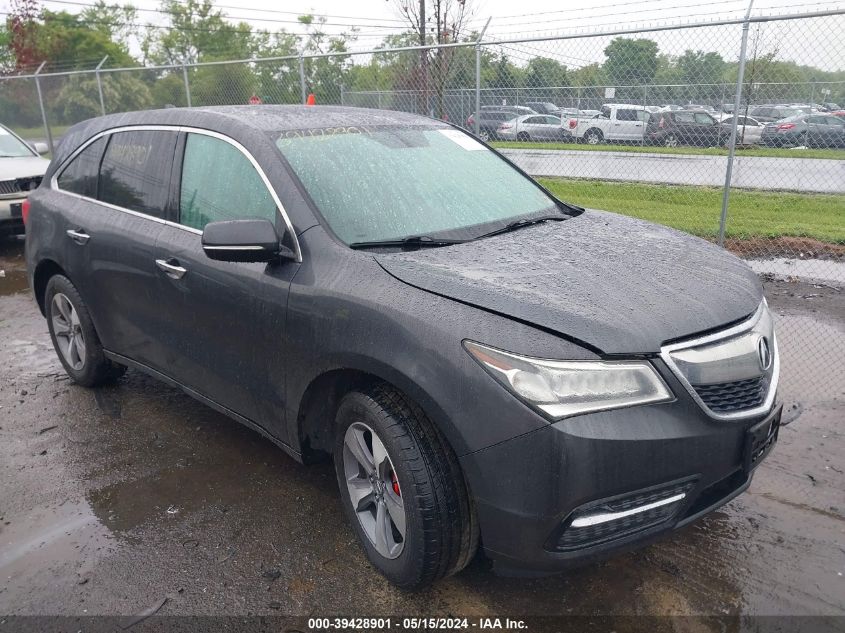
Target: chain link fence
(731,130)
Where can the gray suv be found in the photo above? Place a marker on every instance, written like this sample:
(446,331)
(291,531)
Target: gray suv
(488,367)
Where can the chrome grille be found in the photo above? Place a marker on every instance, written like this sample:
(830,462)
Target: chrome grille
(9,186)
(731,374)
(737,395)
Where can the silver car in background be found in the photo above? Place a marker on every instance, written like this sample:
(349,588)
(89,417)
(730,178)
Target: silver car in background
(533,127)
(748,130)
(21,169)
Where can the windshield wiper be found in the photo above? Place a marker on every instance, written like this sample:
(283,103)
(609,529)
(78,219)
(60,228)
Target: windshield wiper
(518,224)
(414,241)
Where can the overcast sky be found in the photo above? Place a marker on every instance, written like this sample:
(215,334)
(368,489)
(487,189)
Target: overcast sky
(818,42)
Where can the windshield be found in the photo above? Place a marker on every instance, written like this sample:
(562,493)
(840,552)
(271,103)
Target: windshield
(11,147)
(391,183)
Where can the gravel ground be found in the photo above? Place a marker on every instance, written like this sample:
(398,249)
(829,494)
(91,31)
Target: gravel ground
(136,498)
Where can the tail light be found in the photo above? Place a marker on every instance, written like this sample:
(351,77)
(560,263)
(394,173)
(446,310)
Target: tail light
(662,123)
(786,126)
(573,123)
(470,120)
(505,126)
(25,210)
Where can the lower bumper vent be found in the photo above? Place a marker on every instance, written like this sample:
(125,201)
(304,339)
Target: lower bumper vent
(609,520)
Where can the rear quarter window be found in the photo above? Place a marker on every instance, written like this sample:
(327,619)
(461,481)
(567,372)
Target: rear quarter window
(135,171)
(80,175)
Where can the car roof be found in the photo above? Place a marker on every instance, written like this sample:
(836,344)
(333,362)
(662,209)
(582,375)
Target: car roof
(242,122)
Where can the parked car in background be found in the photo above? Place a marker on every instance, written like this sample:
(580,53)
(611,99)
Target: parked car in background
(21,169)
(533,127)
(769,113)
(616,122)
(684,127)
(810,130)
(748,130)
(489,122)
(831,106)
(484,364)
(543,107)
(516,110)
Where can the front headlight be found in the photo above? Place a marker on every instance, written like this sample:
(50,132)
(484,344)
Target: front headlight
(561,389)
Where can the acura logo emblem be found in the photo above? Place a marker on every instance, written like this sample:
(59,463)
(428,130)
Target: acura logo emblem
(764,353)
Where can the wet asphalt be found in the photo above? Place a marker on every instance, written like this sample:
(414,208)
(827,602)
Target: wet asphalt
(135,497)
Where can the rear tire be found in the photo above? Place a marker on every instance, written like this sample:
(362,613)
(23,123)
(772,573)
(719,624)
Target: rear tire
(523,136)
(74,337)
(395,438)
(670,141)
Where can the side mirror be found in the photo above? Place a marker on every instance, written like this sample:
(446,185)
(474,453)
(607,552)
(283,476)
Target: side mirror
(40,148)
(249,240)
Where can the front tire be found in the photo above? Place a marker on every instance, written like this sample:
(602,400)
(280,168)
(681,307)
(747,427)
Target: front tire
(74,337)
(402,489)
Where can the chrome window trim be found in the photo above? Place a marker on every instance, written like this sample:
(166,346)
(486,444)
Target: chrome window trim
(741,328)
(175,128)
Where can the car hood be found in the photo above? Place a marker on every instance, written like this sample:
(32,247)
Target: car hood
(612,283)
(22,167)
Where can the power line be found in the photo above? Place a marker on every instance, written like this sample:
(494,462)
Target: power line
(234,17)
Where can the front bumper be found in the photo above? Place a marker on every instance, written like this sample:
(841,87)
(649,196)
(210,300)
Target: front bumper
(11,220)
(530,490)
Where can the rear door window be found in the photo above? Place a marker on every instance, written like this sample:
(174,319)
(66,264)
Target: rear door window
(626,115)
(702,118)
(220,183)
(684,117)
(80,175)
(136,169)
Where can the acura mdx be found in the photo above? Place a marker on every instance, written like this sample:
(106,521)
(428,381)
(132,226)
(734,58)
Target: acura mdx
(488,366)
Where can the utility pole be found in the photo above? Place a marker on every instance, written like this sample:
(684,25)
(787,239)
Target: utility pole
(423,62)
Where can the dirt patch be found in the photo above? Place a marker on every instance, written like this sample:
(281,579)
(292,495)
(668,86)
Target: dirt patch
(797,247)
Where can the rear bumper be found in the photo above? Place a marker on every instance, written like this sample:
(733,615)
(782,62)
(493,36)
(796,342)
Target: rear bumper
(584,488)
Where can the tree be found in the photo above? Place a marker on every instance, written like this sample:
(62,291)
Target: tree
(22,35)
(79,98)
(436,22)
(198,32)
(631,62)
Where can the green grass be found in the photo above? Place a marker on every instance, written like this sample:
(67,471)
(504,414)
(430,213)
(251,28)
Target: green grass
(752,214)
(772,152)
(38,131)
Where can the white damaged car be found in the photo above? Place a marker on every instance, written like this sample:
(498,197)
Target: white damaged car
(21,170)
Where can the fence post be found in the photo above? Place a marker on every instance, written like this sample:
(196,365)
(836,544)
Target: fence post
(302,78)
(100,84)
(187,85)
(43,111)
(342,89)
(475,118)
(645,103)
(740,76)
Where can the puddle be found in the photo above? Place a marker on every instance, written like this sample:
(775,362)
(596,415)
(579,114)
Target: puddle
(12,281)
(48,537)
(824,270)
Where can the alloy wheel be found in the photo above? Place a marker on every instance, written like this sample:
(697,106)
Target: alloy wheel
(68,331)
(671,141)
(374,491)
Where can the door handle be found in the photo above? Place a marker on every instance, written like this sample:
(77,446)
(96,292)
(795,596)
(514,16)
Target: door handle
(78,235)
(174,271)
